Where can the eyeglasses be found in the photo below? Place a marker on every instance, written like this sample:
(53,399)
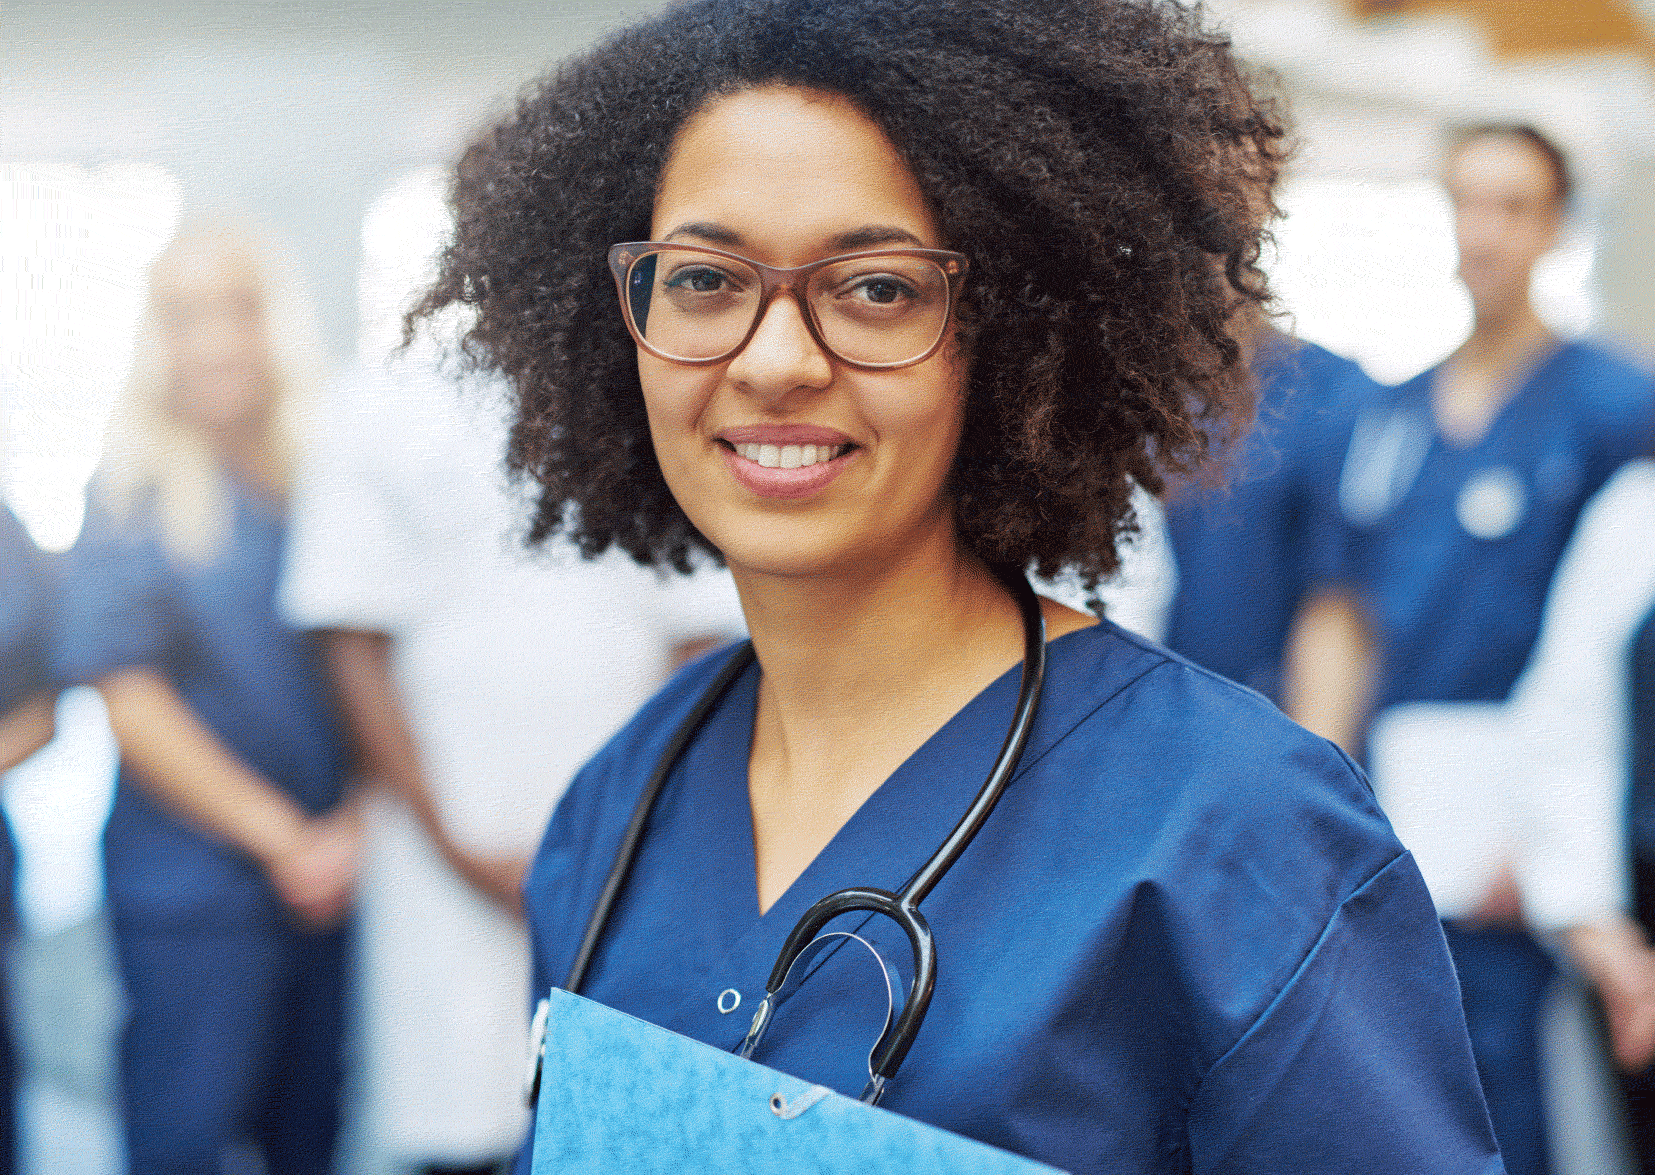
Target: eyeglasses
(878,310)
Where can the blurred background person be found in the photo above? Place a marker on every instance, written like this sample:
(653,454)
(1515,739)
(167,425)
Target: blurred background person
(1457,493)
(228,857)
(1242,551)
(26,725)
(477,677)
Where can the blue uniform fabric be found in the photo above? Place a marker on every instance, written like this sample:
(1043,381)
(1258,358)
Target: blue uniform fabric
(26,600)
(1452,549)
(234,1025)
(1243,552)
(233,1036)
(1504,978)
(1186,940)
(256,683)
(1457,612)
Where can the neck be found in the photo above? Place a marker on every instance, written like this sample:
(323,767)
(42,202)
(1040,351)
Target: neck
(1504,337)
(926,631)
(242,451)
(858,671)
(1486,372)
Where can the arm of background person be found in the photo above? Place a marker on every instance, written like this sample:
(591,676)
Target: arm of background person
(359,663)
(25,728)
(1329,667)
(184,766)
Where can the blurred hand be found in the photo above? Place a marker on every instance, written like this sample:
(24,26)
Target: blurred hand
(1615,958)
(1502,904)
(315,871)
(499,878)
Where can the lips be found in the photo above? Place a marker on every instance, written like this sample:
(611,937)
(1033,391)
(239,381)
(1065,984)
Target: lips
(786,461)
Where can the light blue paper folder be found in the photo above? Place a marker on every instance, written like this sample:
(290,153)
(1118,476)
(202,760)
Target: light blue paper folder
(624,1096)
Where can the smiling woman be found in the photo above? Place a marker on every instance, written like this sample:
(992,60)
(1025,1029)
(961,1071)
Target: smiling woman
(909,296)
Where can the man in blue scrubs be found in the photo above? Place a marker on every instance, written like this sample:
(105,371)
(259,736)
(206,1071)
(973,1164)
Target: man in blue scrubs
(1457,494)
(1242,551)
(25,726)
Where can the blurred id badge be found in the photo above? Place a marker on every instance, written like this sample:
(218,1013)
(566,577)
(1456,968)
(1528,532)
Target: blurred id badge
(617,1094)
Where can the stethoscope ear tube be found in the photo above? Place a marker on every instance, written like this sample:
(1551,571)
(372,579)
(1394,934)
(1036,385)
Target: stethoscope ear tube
(627,853)
(901,907)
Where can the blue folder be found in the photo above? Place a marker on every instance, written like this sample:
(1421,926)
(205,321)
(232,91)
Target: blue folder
(617,1094)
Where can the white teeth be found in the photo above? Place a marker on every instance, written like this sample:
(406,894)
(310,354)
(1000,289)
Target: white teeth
(788,456)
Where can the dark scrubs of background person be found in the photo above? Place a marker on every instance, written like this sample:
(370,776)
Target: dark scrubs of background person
(1243,550)
(1640,821)
(26,601)
(227,865)
(1458,492)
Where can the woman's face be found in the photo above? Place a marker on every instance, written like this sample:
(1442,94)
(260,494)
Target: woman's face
(1506,217)
(787,176)
(212,328)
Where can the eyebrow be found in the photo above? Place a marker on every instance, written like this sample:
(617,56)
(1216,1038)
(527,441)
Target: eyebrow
(867,237)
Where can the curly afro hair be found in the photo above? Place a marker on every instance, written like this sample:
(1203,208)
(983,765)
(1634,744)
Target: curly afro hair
(1105,164)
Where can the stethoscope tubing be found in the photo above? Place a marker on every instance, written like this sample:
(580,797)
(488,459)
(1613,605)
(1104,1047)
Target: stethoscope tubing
(902,907)
(627,853)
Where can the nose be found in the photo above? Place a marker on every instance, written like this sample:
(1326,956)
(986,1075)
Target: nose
(782,356)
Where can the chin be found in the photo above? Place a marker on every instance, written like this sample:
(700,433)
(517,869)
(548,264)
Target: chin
(791,549)
(786,560)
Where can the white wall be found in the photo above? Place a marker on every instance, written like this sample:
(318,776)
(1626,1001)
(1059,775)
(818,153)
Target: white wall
(297,113)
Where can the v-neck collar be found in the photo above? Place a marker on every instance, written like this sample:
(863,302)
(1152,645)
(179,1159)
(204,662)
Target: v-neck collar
(1525,391)
(885,841)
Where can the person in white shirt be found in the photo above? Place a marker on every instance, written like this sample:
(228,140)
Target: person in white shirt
(1582,725)
(476,677)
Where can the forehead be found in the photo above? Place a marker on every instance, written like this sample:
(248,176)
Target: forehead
(1500,165)
(786,169)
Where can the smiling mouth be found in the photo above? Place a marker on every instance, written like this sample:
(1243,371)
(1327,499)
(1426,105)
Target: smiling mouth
(788,456)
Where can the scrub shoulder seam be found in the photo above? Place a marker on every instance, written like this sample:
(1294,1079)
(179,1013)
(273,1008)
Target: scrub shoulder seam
(1304,964)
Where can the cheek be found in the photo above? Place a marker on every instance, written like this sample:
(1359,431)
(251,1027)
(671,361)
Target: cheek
(675,399)
(928,415)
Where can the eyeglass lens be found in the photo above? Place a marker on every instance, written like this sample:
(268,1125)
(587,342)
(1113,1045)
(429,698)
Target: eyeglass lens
(692,305)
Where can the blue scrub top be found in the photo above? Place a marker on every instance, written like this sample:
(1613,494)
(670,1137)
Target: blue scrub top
(212,630)
(26,592)
(1453,548)
(1186,940)
(1243,552)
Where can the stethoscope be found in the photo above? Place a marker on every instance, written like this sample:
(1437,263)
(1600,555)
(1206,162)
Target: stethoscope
(902,907)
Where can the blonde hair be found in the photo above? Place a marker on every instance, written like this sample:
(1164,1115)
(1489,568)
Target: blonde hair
(151,453)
